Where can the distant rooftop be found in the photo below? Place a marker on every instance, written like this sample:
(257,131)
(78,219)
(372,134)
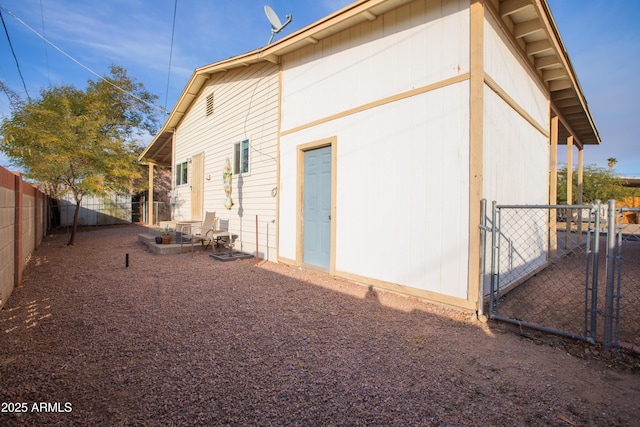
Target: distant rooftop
(631,182)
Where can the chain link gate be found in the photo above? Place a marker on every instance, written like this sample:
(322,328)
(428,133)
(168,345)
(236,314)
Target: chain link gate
(565,269)
(545,262)
(626,280)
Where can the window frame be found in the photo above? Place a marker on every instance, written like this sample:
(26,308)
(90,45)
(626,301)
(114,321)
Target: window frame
(182,173)
(241,157)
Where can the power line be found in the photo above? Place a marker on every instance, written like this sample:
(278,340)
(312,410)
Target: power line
(157,107)
(46,52)
(173,31)
(15,58)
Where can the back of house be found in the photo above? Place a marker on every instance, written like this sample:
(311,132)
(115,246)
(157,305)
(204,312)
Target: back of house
(370,138)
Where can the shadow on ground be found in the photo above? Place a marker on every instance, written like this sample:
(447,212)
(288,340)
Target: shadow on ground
(186,340)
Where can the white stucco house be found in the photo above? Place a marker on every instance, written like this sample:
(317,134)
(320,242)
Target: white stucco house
(366,141)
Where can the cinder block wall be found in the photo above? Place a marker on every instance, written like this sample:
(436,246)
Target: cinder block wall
(28,220)
(23,225)
(7,237)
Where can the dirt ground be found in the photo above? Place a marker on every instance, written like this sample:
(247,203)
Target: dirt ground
(187,340)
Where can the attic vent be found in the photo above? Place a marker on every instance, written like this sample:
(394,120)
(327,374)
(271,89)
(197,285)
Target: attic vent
(209,105)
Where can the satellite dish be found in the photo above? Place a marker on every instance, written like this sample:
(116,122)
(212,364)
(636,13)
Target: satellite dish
(276,24)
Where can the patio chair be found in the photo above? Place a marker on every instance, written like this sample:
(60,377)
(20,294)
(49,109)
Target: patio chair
(209,233)
(199,231)
(220,236)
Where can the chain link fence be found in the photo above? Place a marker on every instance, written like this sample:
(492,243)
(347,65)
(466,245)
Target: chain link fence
(161,212)
(542,266)
(569,270)
(110,211)
(627,277)
(93,211)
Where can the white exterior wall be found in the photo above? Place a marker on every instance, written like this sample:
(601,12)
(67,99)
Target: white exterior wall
(516,153)
(402,166)
(516,156)
(405,49)
(504,66)
(245,107)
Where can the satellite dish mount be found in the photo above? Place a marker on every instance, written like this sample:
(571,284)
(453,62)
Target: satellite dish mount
(276,25)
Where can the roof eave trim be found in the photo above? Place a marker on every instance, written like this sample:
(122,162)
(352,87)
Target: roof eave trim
(566,62)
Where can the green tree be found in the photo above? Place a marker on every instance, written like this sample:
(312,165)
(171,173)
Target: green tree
(81,141)
(598,184)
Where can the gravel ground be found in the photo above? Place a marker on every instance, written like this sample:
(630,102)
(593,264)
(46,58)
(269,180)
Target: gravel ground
(187,340)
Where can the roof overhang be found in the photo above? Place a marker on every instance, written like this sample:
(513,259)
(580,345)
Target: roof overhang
(535,32)
(529,21)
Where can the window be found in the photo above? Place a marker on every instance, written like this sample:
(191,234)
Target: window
(241,157)
(209,108)
(181,173)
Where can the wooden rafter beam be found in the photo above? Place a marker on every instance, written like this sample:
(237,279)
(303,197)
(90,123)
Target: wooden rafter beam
(555,74)
(369,15)
(547,62)
(560,84)
(564,94)
(526,28)
(510,7)
(567,102)
(572,110)
(537,47)
(274,59)
(573,116)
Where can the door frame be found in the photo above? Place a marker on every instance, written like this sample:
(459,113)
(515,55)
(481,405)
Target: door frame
(301,149)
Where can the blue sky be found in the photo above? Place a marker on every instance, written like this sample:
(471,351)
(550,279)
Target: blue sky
(603,41)
(602,38)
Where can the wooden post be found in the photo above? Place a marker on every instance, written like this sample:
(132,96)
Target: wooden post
(570,170)
(569,213)
(150,218)
(553,187)
(476,124)
(580,174)
(579,188)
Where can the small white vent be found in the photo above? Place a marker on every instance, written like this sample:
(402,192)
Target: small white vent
(209,105)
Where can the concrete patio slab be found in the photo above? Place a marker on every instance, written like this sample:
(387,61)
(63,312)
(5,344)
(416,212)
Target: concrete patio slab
(171,248)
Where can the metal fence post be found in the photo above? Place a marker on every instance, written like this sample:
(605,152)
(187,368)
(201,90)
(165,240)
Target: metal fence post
(483,248)
(594,272)
(618,259)
(155,213)
(494,284)
(145,212)
(610,272)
